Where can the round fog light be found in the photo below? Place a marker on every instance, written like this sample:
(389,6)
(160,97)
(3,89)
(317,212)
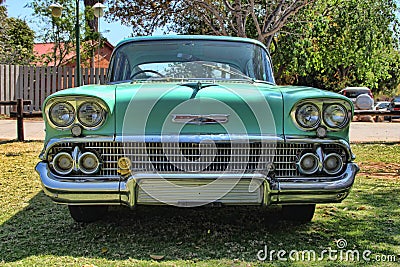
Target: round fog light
(63,163)
(88,163)
(333,163)
(308,163)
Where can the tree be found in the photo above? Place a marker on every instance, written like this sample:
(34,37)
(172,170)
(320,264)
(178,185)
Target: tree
(4,38)
(221,17)
(61,31)
(338,43)
(21,41)
(91,20)
(16,40)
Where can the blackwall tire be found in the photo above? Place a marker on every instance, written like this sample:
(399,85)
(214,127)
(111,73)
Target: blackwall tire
(298,213)
(87,213)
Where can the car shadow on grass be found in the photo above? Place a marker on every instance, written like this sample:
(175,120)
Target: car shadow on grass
(43,228)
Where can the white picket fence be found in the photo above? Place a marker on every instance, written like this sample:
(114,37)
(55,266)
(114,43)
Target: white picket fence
(36,83)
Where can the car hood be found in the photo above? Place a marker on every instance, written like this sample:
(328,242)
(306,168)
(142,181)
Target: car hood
(225,108)
(164,108)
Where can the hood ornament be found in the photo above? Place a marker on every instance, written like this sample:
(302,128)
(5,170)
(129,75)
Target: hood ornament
(200,119)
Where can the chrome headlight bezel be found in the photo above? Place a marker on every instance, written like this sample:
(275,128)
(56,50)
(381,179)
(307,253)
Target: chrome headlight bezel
(322,104)
(328,116)
(99,111)
(72,114)
(76,103)
(300,114)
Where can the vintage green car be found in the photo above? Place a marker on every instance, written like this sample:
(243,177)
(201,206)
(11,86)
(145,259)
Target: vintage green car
(195,120)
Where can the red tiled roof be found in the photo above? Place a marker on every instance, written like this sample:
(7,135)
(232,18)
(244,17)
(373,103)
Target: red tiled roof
(42,49)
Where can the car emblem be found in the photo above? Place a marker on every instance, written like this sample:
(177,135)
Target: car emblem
(200,119)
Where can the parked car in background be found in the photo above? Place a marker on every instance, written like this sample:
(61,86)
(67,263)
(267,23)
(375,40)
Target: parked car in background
(383,106)
(395,106)
(361,97)
(195,120)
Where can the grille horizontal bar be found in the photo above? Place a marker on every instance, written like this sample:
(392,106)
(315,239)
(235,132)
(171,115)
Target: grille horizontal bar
(198,157)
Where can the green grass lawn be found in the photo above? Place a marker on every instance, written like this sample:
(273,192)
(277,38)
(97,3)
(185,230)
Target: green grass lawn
(36,232)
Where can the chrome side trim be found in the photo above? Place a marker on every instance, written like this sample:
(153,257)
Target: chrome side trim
(239,138)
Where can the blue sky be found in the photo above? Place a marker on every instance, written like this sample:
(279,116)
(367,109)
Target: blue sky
(114,32)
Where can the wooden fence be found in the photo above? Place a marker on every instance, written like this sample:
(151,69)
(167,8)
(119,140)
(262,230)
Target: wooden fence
(36,83)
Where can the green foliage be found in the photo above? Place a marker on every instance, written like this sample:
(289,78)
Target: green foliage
(220,17)
(3,34)
(21,41)
(327,44)
(339,43)
(16,40)
(61,31)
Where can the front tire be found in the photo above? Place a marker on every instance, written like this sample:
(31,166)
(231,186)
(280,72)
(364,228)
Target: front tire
(87,213)
(298,213)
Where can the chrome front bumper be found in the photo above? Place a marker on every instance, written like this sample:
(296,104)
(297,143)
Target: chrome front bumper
(125,191)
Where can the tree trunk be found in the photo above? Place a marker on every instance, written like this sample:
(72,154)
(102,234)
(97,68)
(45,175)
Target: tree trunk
(93,24)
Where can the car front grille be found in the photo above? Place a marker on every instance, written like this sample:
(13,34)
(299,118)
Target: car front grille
(224,157)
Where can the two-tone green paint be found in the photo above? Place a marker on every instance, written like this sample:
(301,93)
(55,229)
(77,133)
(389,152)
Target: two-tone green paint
(147,108)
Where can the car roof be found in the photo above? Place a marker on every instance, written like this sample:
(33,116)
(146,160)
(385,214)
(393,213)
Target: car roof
(356,89)
(189,37)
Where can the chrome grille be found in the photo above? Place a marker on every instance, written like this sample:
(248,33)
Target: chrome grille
(198,157)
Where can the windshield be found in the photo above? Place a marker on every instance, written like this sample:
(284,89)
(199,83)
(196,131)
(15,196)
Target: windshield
(190,59)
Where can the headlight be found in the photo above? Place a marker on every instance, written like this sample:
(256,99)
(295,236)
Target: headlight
(335,116)
(88,163)
(308,115)
(91,114)
(333,164)
(63,163)
(62,114)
